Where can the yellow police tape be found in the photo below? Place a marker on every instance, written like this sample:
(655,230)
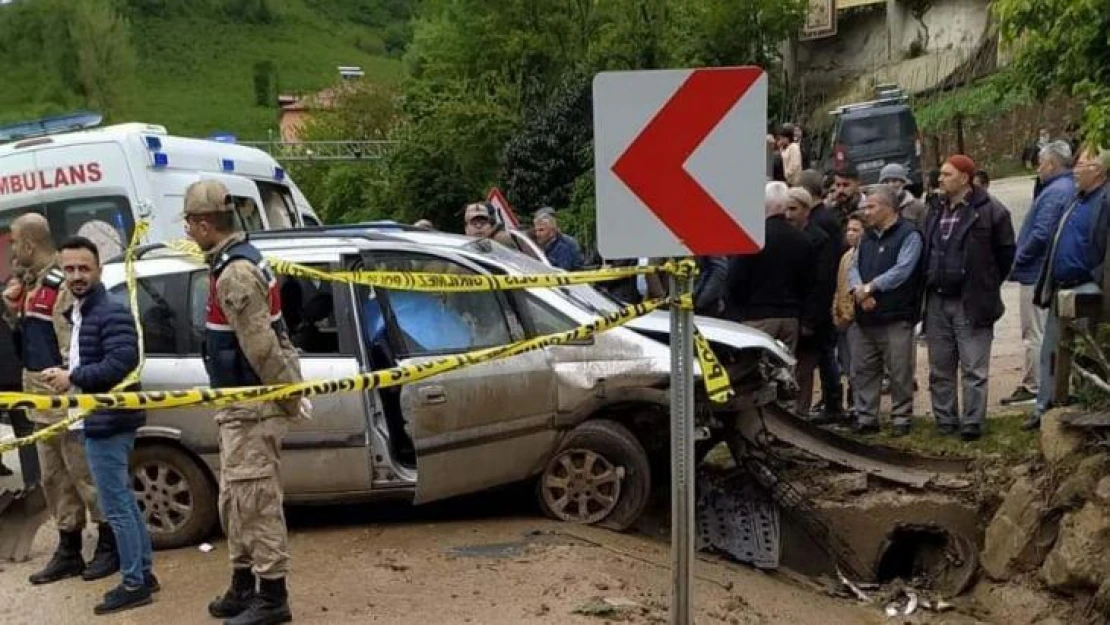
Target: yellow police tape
(456,283)
(712,371)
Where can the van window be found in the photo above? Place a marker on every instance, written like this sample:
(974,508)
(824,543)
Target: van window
(159,299)
(106,220)
(874,128)
(281,211)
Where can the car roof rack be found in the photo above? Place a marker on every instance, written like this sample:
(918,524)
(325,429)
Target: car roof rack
(368,231)
(885,95)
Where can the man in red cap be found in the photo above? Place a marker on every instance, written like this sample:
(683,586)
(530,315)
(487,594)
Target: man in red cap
(969,249)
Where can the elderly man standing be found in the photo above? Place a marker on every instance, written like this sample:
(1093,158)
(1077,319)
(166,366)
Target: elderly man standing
(969,249)
(885,278)
(1057,191)
(1075,259)
(767,290)
(39,314)
(913,209)
(560,249)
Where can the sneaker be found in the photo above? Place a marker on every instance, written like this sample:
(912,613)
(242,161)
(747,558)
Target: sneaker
(151,582)
(123,598)
(1021,395)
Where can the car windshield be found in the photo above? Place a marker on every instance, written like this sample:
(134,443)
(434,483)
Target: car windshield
(585,296)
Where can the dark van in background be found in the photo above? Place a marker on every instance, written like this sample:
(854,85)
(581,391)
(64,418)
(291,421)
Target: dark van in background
(871,134)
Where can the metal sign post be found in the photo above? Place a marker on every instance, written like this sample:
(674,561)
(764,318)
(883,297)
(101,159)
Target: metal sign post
(682,455)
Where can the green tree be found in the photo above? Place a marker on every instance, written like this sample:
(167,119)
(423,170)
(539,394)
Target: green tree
(1062,44)
(106,61)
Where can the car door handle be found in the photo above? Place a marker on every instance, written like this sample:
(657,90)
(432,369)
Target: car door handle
(432,394)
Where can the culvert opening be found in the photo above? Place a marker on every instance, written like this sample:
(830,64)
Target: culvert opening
(915,554)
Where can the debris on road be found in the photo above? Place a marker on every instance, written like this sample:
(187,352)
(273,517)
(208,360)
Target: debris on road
(205,547)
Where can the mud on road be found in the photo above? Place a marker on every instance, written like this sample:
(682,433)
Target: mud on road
(352,565)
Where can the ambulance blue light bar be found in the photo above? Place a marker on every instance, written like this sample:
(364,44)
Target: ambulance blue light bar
(227,164)
(279,174)
(81,120)
(161,160)
(153,143)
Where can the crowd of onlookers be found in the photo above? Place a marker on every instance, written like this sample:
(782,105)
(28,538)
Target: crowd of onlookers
(853,279)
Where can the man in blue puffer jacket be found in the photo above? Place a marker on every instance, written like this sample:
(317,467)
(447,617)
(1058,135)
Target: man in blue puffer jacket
(103,350)
(1034,240)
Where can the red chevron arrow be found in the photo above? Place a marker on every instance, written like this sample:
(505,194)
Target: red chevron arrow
(653,166)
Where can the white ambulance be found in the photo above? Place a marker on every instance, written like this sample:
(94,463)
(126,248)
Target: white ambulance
(99,181)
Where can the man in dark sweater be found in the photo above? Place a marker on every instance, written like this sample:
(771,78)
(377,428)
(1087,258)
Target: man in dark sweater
(767,290)
(104,349)
(885,278)
(969,249)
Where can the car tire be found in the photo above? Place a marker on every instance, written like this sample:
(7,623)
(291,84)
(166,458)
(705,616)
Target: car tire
(602,464)
(175,494)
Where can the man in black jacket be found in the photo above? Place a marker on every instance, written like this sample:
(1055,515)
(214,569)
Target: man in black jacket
(885,279)
(104,349)
(817,344)
(969,249)
(767,290)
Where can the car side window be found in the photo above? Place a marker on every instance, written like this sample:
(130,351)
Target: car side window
(434,323)
(543,318)
(159,311)
(307,306)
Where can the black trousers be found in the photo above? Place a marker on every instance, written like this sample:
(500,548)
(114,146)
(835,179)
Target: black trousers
(28,456)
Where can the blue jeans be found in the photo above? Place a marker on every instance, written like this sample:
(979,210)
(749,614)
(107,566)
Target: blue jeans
(108,463)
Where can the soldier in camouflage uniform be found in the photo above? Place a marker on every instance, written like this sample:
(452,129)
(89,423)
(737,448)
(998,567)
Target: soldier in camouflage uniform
(38,311)
(247,344)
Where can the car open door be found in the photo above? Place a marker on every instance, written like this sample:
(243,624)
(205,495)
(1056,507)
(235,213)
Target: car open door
(475,427)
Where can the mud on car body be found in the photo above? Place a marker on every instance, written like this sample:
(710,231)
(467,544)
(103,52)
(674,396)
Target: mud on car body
(587,422)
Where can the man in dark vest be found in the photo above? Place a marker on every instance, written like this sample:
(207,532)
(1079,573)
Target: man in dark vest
(969,249)
(246,344)
(886,282)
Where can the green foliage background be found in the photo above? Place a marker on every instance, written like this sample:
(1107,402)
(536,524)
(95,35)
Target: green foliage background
(474,93)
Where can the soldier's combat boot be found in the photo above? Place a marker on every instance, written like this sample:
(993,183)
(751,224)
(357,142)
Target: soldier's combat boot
(270,607)
(238,596)
(105,560)
(66,562)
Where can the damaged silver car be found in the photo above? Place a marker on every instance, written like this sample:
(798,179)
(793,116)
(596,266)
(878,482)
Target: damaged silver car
(588,423)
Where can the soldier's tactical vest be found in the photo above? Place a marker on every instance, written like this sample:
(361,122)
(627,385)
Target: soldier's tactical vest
(224,360)
(40,342)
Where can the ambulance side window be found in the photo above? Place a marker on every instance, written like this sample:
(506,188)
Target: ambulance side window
(249,215)
(281,211)
(198,309)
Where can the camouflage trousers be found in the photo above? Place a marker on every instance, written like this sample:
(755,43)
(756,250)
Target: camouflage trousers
(250,491)
(66,481)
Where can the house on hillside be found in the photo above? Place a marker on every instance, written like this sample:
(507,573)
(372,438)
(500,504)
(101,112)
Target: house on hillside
(847,47)
(295,110)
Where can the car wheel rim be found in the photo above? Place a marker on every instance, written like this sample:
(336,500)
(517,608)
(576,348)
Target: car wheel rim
(164,497)
(582,486)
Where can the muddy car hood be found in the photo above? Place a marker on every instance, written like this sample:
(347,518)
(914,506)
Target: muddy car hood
(717,331)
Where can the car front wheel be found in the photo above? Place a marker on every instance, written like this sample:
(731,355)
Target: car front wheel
(600,474)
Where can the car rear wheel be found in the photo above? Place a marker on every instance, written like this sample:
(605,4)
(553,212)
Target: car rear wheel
(175,495)
(600,474)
